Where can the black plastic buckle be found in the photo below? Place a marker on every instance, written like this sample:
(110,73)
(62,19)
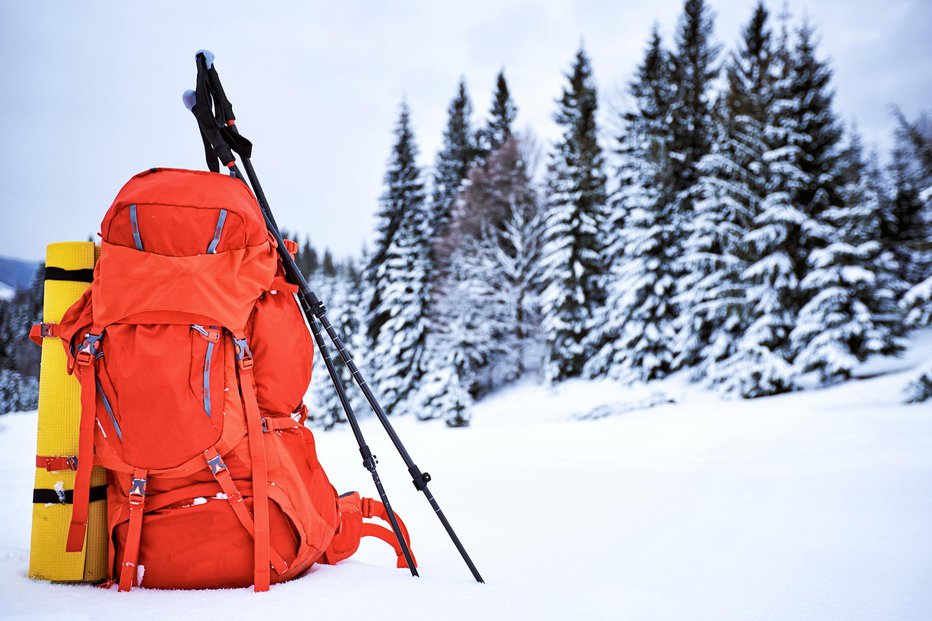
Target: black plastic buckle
(89,350)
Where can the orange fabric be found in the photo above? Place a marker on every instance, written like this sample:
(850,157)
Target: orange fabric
(282,349)
(222,286)
(222,474)
(352,529)
(82,479)
(259,479)
(185,190)
(163,390)
(41,331)
(137,501)
(374,508)
(278,423)
(58,462)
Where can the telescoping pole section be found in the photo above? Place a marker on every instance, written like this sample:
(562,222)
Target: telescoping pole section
(215,127)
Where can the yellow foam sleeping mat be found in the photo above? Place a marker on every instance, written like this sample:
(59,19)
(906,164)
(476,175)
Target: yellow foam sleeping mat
(68,273)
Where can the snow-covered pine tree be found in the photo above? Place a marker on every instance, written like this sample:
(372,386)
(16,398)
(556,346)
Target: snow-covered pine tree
(634,330)
(917,304)
(760,363)
(908,224)
(693,71)
(715,307)
(307,258)
(487,310)
(327,266)
(502,115)
(342,293)
(502,214)
(456,157)
(815,119)
(461,341)
(851,283)
(397,276)
(670,131)
(19,359)
(835,328)
(324,407)
(574,266)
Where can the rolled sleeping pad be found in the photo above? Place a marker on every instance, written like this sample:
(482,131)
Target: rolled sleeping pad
(68,273)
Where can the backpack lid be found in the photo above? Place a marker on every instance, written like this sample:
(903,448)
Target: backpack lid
(182,246)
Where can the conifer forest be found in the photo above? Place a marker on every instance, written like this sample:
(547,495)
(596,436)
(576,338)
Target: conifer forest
(719,220)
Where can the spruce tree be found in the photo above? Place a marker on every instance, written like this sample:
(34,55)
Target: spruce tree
(760,364)
(716,309)
(327,266)
(907,225)
(19,359)
(634,330)
(693,65)
(574,227)
(456,157)
(307,258)
(397,275)
(814,120)
(851,312)
(840,298)
(502,115)
(487,309)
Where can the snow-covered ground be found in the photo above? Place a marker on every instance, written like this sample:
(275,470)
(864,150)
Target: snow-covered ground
(815,505)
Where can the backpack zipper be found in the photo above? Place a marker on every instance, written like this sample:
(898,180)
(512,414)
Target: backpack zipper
(106,402)
(212,336)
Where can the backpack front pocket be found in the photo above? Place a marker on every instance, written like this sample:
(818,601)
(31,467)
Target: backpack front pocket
(163,411)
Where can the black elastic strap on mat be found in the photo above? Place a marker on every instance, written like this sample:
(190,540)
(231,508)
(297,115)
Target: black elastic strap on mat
(58,273)
(66,497)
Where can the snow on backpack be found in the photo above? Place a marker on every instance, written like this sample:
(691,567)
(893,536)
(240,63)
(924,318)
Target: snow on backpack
(193,358)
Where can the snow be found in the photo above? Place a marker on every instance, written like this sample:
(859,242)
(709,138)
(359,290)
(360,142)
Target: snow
(6,291)
(812,505)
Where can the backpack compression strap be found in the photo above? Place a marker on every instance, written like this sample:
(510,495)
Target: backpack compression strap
(260,491)
(235,498)
(373,508)
(136,496)
(353,509)
(86,358)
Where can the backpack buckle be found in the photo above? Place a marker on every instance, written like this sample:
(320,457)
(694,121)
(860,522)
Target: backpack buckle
(137,492)
(243,353)
(216,465)
(89,350)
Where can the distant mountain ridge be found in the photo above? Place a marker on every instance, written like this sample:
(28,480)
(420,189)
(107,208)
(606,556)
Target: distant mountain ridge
(15,274)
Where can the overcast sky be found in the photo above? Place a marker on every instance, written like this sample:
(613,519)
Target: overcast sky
(91,91)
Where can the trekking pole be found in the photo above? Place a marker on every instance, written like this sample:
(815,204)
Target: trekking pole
(224,127)
(368,459)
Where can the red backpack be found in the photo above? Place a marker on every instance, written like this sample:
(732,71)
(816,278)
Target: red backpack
(193,359)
